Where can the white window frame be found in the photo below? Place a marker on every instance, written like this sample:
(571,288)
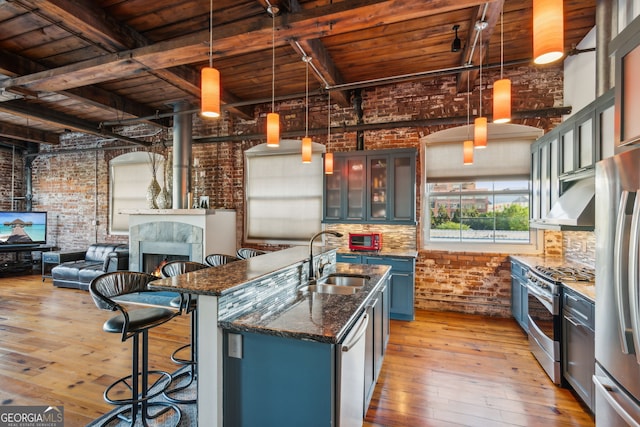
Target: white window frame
(283,203)
(129,176)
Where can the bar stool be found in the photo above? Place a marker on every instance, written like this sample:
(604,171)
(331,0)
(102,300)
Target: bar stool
(216,260)
(187,304)
(134,324)
(244,253)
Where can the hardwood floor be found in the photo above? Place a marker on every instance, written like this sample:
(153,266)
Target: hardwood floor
(443,369)
(449,369)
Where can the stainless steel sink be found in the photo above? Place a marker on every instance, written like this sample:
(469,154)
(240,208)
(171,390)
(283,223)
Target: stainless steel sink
(349,280)
(322,288)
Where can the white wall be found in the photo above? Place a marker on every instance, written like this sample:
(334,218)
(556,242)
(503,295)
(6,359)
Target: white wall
(580,76)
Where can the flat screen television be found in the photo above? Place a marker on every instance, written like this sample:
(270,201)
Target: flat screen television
(23,228)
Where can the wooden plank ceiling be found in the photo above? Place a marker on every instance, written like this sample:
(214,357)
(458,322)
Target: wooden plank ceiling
(85,65)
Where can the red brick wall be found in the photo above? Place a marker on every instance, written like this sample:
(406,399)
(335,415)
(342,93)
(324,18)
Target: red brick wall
(12,172)
(73,184)
(463,281)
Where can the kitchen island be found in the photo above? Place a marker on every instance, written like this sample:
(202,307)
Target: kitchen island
(259,295)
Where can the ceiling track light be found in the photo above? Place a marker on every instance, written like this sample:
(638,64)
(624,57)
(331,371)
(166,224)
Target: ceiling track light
(273,118)
(456,44)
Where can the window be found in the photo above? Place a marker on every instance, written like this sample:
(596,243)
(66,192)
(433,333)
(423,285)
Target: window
(283,195)
(486,211)
(130,175)
(483,207)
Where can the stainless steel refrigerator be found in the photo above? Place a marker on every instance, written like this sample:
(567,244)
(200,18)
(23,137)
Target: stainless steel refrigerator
(617,341)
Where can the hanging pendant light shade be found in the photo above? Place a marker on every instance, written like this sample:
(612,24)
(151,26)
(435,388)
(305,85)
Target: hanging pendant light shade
(273,130)
(548,31)
(480,132)
(210,96)
(273,118)
(502,101)
(467,152)
(502,89)
(210,79)
(328,163)
(306,149)
(467,145)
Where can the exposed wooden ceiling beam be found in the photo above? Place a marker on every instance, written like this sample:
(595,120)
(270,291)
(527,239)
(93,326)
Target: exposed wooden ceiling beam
(15,65)
(24,133)
(86,18)
(329,73)
(239,37)
(23,109)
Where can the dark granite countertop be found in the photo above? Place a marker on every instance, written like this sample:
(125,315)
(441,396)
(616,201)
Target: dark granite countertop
(400,253)
(225,278)
(588,290)
(314,316)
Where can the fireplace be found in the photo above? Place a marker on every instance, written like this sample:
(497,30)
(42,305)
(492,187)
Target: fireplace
(188,234)
(155,254)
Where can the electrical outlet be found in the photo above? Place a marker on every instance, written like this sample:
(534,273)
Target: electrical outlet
(235,346)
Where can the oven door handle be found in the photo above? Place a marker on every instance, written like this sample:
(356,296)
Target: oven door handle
(543,298)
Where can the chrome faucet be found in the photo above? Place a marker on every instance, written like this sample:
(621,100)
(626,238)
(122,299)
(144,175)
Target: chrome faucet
(315,236)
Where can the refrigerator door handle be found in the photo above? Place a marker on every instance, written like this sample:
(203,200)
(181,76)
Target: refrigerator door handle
(633,276)
(619,274)
(609,394)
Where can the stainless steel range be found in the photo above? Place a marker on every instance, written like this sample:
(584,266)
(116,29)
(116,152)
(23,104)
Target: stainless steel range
(545,313)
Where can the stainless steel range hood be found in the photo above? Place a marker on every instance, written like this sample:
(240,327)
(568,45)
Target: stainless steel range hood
(574,210)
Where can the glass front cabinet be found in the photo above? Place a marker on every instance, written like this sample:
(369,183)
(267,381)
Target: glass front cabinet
(371,187)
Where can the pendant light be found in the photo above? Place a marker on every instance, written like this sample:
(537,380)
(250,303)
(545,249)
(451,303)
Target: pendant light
(502,87)
(548,31)
(306,141)
(328,157)
(273,118)
(210,79)
(467,145)
(480,123)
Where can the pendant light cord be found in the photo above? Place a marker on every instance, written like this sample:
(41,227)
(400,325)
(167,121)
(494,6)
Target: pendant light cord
(210,33)
(480,115)
(273,61)
(501,42)
(328,118)
(306,125)
(468,103)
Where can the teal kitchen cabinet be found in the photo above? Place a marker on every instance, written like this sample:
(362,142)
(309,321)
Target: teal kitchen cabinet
(375,186)
(376,341)
(519,294)
(402,285)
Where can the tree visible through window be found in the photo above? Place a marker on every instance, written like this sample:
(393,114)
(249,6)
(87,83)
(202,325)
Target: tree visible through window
(494,211)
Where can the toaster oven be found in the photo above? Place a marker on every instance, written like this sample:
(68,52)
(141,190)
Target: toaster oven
(365,241)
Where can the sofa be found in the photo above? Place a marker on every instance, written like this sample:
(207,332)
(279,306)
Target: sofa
(100,258)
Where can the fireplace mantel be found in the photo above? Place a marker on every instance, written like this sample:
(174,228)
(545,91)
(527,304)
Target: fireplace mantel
(195,212)
(207,231)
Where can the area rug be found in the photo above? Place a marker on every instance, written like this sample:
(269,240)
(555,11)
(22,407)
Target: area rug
(189,412)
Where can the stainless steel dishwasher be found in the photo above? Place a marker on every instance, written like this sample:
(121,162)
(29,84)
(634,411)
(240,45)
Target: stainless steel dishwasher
(350,378)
